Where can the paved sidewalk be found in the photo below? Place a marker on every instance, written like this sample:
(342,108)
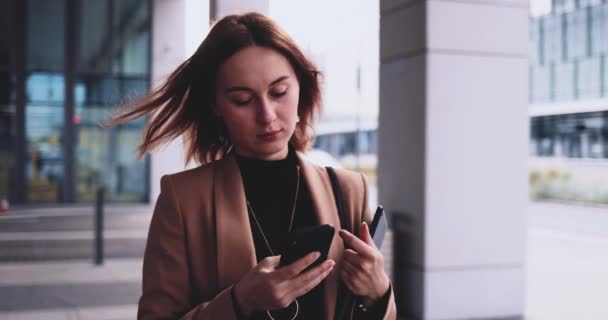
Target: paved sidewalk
(567,262)
(71,272)
(65,233)
(97,313)
(70,290)
(567,271)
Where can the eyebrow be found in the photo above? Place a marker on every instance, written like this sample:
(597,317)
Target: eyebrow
(240,88)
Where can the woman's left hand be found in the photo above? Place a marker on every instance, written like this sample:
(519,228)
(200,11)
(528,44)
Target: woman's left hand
(363,266)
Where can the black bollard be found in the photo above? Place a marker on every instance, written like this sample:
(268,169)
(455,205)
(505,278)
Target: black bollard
(99,199)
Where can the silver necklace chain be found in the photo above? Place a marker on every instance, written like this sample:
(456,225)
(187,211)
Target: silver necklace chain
(293,211)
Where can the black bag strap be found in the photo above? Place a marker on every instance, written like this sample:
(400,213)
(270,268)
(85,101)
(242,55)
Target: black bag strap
(337,196)
(344,298)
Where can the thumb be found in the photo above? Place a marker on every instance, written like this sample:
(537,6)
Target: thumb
(270,262)
(365,235)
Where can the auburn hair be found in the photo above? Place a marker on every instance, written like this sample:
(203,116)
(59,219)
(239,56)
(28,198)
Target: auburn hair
(183,104)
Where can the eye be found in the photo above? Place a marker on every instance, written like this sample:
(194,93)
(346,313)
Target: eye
(278,93)
(241,100)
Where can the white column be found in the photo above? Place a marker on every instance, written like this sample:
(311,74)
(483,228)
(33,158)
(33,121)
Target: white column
(453,139)
(179,26)
(226,7)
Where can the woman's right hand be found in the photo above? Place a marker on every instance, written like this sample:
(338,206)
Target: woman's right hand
(266,287)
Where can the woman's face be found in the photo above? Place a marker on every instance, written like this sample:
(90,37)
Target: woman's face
(257,96)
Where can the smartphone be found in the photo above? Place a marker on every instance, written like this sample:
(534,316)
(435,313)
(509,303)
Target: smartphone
(378,227)
(303,241)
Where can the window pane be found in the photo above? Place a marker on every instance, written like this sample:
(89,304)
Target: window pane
(564,5)
(588,79)
(576,34)
(117,69)
(535,42)
(564,81)
(580,135)
(599,34)
(95,44)
(604,32)
(132,37)
(107,156)
(541,84)
(553,38)
(45,33)
(45,91)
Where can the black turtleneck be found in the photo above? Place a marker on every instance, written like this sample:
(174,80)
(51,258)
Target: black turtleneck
(270,187)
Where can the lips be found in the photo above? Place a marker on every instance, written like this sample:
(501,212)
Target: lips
(270,134)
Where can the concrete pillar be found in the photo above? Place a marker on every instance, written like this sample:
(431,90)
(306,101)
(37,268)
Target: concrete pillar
(225,7)
(453,138)
(178,27)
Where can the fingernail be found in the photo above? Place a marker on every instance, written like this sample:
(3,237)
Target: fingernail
(316,255)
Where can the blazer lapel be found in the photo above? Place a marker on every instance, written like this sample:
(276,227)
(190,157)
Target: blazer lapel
(235,248)
(324,205)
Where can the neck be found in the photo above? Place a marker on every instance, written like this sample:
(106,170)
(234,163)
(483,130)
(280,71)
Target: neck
(281,155)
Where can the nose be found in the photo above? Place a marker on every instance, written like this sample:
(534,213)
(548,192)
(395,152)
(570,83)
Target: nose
(266,111)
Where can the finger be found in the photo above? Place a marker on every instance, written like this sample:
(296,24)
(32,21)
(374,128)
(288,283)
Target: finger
(309,280)
(366,235)
(356,244)
(298,266)
(361,262)
(311,274)
(302,290)
(352,256)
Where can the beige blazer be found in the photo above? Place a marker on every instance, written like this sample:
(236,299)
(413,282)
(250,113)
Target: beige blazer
(200,241)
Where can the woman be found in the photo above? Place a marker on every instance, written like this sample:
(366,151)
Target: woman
(244,102)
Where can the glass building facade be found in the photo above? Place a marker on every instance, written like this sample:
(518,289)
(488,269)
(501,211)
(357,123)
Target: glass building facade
(64,67)
(348,143)
(569,64)
(577,135)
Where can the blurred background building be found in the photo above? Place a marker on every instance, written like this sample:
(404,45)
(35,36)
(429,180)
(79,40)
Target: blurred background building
(64,66)
(569,101)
